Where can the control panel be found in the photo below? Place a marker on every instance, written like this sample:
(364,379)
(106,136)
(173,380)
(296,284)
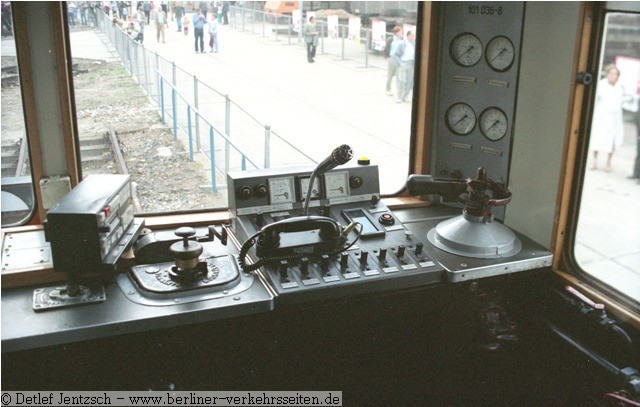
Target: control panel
(348,243)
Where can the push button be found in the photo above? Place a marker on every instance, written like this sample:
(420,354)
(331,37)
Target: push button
(386,219)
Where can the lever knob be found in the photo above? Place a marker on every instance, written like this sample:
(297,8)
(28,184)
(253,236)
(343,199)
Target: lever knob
(344,260)
(304,265)
(401,250)
(282,269)
(363,257)
(383,254)
(419,247)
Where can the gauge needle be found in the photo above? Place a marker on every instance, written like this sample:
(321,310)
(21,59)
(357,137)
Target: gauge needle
(285,194)
(494,123)
(467,50)
(461,119)
(499,53)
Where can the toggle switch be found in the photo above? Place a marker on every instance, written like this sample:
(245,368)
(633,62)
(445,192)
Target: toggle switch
(382,255)
(419,246)
(344,260)
(364,255)
(401,250)
(282,269)
(304,266)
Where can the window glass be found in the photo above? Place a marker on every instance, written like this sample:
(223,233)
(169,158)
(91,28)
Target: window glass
(608,235)
(263,87)
(17,190)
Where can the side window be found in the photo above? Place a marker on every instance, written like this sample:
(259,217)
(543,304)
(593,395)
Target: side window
(610,251)
(17,188)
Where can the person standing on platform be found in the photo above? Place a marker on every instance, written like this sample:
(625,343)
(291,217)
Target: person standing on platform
(406,53)
(607,129)
(392,61)
(179,12)
(213,32)
(198,29)
(161,24)
(311,38)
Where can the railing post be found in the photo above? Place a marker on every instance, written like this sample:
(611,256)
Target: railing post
(322,39)
(343,38)
(190,132)
(158,64)
(264,24)
(173,102)
(227,130)
(161,97)
(290,28)
(244,163)
(267,146)
(212,159)
(367,44)
(146,71)
(197,106)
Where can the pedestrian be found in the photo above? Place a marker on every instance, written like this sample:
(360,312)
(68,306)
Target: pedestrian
(71,13)
(392,61)
(406,53)
(225,12)
(311,38)
(213,32)
(178,12)
(607,129)
(185,25)
(636,166)
(161,24)
(146,6)
(203,8)
(198,29)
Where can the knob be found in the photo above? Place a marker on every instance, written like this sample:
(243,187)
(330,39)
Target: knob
(304,266)
(401,250)
(363,257)
(244,192)
(344,260)
(259,219)
(325,210)
(186,252)
(261,190)
(382,255)
(282,269)
(355,182)
(419,246)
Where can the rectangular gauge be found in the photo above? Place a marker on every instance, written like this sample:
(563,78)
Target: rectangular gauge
(303,187)
(336,184)
(281,190)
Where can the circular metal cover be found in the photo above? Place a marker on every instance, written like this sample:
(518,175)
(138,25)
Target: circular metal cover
(485,240)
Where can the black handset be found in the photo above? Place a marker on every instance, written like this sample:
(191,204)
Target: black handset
(308,234)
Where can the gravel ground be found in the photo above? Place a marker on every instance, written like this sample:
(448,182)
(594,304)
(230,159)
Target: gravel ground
(164,178)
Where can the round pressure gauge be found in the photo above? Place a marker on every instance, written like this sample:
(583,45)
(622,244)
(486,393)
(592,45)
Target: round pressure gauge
(493,123)
(500,53)
(461,119)
(466,49)
(281,190)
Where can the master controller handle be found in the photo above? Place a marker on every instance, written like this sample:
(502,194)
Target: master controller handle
(186,252)
(472,192)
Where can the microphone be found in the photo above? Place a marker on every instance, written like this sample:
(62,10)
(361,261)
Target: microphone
(340,155)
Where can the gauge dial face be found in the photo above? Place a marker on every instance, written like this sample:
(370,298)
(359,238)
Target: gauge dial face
(493,123)
(304,187)
(461,119)
(500,53)
(336,184)
(281,190)
(466,49)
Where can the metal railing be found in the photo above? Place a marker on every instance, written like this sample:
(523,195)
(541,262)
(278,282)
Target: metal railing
(195,107)
(330,42)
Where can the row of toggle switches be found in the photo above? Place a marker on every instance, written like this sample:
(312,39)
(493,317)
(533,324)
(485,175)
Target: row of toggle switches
(350,267)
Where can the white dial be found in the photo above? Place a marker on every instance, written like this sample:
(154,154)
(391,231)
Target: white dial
(304,187)
(493,123)
(500,53)
(461,119)
(336,184)
(466,49)
(281,190)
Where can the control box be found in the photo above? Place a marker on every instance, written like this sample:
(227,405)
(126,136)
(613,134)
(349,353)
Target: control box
(298,262)
(92,225)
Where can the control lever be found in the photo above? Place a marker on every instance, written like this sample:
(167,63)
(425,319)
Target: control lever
(587,301)
(472,192)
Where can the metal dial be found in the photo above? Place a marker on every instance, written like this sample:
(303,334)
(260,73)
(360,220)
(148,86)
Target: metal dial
(461,119)
(493,123)
(466,49)
(336,184)
(304,187)
(500,53)
(281,190)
